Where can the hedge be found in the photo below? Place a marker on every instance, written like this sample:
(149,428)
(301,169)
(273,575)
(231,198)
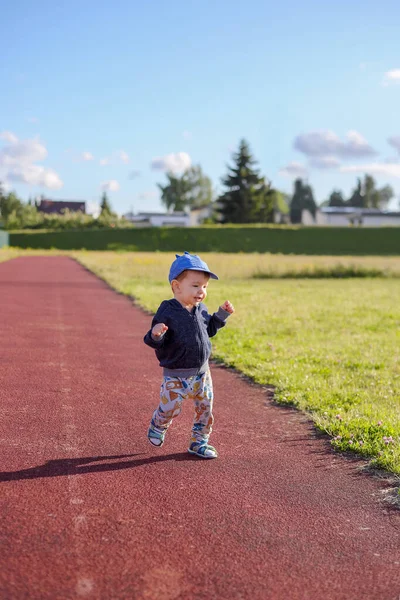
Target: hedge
(285,240)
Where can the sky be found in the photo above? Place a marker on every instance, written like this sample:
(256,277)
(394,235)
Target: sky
(100,95)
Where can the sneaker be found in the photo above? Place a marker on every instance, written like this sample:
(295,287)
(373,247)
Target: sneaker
(156,436)
(203,450)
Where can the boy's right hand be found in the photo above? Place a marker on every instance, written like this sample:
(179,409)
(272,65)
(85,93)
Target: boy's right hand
(159,329)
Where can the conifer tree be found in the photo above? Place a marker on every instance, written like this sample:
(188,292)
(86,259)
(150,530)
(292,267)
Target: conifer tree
(105,205)
(303,199)
(248,197)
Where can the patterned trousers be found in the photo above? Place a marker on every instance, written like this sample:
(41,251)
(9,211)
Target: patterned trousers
(174,390)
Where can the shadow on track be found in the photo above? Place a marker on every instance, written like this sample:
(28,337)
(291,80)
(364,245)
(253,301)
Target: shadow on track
(79,466)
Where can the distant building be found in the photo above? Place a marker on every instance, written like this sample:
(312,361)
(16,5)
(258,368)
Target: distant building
(191,218)
(156,219)
(348,216)
(199,215)
(59,206)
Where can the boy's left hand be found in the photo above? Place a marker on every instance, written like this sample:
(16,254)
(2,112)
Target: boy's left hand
(228,306)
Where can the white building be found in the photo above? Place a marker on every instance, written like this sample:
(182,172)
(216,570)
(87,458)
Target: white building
(349,216)
(199,215)
(156,219)
(173,219)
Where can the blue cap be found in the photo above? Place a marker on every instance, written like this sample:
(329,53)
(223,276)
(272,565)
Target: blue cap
(188,262)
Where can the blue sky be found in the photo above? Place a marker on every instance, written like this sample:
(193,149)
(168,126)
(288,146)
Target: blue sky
(107,95)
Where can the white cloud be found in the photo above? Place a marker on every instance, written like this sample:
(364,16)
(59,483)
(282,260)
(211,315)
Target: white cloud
(324,162)
(18,152)
(187,135)
(110,186)
(395,142)
(388,169)
(123,156)
(356,139)
(392,76)
(104,161)
(87,156)
(9,137)
(327,143)
(35,175)
(172,162)
(17,162)
(294,169)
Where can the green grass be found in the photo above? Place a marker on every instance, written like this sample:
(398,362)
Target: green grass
(330,346)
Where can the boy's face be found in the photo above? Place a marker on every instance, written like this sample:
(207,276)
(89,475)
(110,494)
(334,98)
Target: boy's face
(192,289)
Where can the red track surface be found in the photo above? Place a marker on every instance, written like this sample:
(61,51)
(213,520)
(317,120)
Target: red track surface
(90,510)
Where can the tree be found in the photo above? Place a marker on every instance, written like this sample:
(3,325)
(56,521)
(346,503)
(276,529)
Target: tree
(280,201)
(105,206)
(9,203)
(200,190)
(24,216)
(248,197)
(356,199)
(373,197)
(369,192)
(336,199)
(193,189)
(367,195)
(174,193)
(302,199)
(385,195)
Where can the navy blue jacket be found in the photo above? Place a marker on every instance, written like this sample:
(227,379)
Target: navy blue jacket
(186,344)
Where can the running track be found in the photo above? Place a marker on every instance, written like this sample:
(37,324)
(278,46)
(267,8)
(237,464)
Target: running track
(90,510)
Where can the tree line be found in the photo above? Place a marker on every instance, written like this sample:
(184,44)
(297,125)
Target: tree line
(247,197)
(15,214)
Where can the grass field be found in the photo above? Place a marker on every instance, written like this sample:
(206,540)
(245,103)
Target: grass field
(329,346)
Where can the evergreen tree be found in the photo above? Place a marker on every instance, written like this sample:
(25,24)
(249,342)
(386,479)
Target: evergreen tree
(302,199)
(356,199)
(105,206)
(248,197)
